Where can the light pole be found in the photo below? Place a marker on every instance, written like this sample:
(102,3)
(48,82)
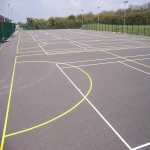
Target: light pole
(9,11)
(12,14)
(12,22)
(4,10)
(125,15)
(98,17)
(82,19)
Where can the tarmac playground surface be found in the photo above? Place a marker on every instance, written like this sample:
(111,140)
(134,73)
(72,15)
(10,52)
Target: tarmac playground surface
(75,90)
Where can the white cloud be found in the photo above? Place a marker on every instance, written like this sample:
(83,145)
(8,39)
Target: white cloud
(108,4)
(75,3)
(53,3)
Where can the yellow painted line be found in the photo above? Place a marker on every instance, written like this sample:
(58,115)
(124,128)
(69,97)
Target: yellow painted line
(31,55)
(112,54)
(27,41)
(64,49)
(71,52)
(107,52)
(30,51)
(18,42)
(8,107)
(34,47)
(63,114)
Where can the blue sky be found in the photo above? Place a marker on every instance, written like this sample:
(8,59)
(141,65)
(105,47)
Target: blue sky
(46,8)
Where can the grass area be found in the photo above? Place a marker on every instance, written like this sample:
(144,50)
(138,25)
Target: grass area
(130,29)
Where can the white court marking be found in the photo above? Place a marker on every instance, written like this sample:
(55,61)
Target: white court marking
(135,68)
(107,58)
(78,45)
(42,49)
(141,146)
(29,33)
(96,110)
(33,38)
(56,37)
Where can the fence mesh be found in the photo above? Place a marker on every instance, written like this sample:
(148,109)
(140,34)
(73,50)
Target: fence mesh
(6,29)
(138,28)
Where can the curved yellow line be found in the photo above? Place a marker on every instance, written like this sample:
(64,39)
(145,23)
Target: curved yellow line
(33,47)
(63,114)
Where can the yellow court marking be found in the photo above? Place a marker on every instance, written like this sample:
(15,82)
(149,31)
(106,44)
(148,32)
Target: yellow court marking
(18,42)
(111,54)
(64,49)
(34,47)
(31,55)
(106,52)
(102,36)
(63,114)
(28,41)
(9,99)
(8,107)
(36,51)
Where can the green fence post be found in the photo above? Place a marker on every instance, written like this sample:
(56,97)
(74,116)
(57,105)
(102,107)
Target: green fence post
(144,27)
(132,27)
(138,29)
(127,27)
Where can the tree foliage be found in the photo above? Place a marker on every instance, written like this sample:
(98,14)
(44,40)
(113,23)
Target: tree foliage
(136,14)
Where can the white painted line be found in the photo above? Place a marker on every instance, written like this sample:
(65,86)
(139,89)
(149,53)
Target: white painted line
(56,37)
(42,49)
(91,60)
(96,110)
(104,63)
(135,68)
(93,64)
(33,38)
(2,46)
(108,59)
(141,146)
(78,45)
(29,33)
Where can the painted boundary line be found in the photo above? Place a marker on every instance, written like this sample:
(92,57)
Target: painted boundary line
(8,106)
(78,45)
(56,37)
(105,58)
(29,33)
(111,63)
(33,38)
(42,49)
(96,109)
(32,47)
(135,68)
(9,100)
(106,52)
(141,146)
(61,115)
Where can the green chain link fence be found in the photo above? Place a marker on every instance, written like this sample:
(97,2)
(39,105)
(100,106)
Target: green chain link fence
(6,29)
(138,28)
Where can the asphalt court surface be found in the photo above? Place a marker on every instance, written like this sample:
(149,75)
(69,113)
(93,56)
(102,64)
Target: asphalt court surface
(75,89)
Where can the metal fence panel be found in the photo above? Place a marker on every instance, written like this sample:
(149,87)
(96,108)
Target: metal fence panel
(6,29)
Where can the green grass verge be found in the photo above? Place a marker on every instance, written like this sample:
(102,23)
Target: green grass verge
(130,29)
